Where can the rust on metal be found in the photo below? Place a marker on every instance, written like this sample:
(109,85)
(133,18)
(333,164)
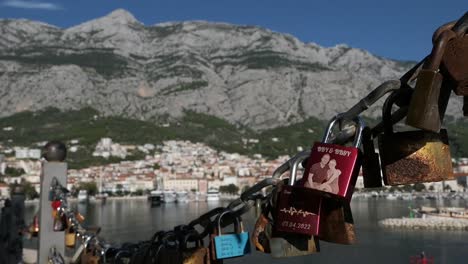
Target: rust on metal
(336,222)
(423,111)
(416,156)
(444,27)
(455,64)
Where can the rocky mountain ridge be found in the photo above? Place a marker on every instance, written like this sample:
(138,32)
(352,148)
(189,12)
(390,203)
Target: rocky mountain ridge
(244,74)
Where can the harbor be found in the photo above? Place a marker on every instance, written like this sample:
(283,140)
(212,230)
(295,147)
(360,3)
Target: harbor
(134,219)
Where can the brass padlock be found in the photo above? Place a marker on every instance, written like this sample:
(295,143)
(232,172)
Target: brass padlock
(423,111)
(371,171)
(413,156)
(70,237)
(89,256)
(336,222)
(262,230)
(198,254)
(455,64)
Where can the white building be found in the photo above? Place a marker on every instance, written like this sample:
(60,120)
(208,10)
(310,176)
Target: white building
(183,184)
(4,190)
(26,153)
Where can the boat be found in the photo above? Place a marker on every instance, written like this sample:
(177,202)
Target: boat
(182,197)
(406,196)
(169,196)
(155,197)
(83,196)
(101,197)
(443,212)
(391,196)
(212,195)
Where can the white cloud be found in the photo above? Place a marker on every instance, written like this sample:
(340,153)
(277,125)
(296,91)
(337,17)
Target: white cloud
(31,4)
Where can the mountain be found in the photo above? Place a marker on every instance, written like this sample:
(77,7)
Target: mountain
(247,75)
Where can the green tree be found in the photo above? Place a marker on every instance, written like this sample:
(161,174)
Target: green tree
(231,189)
(419,187)
(28,189)
(14,172)
(407,188)
(447,188)
(139,192)
(90,187)
(119,188)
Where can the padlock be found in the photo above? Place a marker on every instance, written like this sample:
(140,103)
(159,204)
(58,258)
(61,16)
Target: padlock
(52,190)
(60,222)
(288,244)
(371,171)
(70,237)
(455,64)
(55,205)
(90,255)
(260,238)
(150,254)
(336,222)
(297,208)
(230,245)
(423,111)
(413,156)
(170,251)
(198,254)
(79,217)
(333,168)
(54,257)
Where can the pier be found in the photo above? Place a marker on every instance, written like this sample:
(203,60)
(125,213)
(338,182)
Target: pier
(425,223)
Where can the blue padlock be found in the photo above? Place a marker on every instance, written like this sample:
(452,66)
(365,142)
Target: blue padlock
(233,244)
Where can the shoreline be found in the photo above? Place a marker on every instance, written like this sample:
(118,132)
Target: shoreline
(425,223)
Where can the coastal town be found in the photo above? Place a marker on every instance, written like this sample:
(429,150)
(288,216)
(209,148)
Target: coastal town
(174,165)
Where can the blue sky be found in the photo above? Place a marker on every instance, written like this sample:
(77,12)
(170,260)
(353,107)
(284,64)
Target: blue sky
(394,29)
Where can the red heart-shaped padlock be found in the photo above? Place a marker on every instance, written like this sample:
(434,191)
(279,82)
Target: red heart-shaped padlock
(56,204)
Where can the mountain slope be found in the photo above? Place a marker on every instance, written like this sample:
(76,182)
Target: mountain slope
(247,75)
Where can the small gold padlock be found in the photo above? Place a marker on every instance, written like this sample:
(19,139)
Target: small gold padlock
(70,237)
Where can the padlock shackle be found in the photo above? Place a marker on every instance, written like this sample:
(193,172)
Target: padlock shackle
(293,169)
(169,237)
(238,227)
(438,49)
(462,24)
(191,236)
(387,113)
(371,98)
(359,122)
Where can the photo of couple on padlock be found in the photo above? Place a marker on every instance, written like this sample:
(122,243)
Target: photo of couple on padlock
(323,175)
